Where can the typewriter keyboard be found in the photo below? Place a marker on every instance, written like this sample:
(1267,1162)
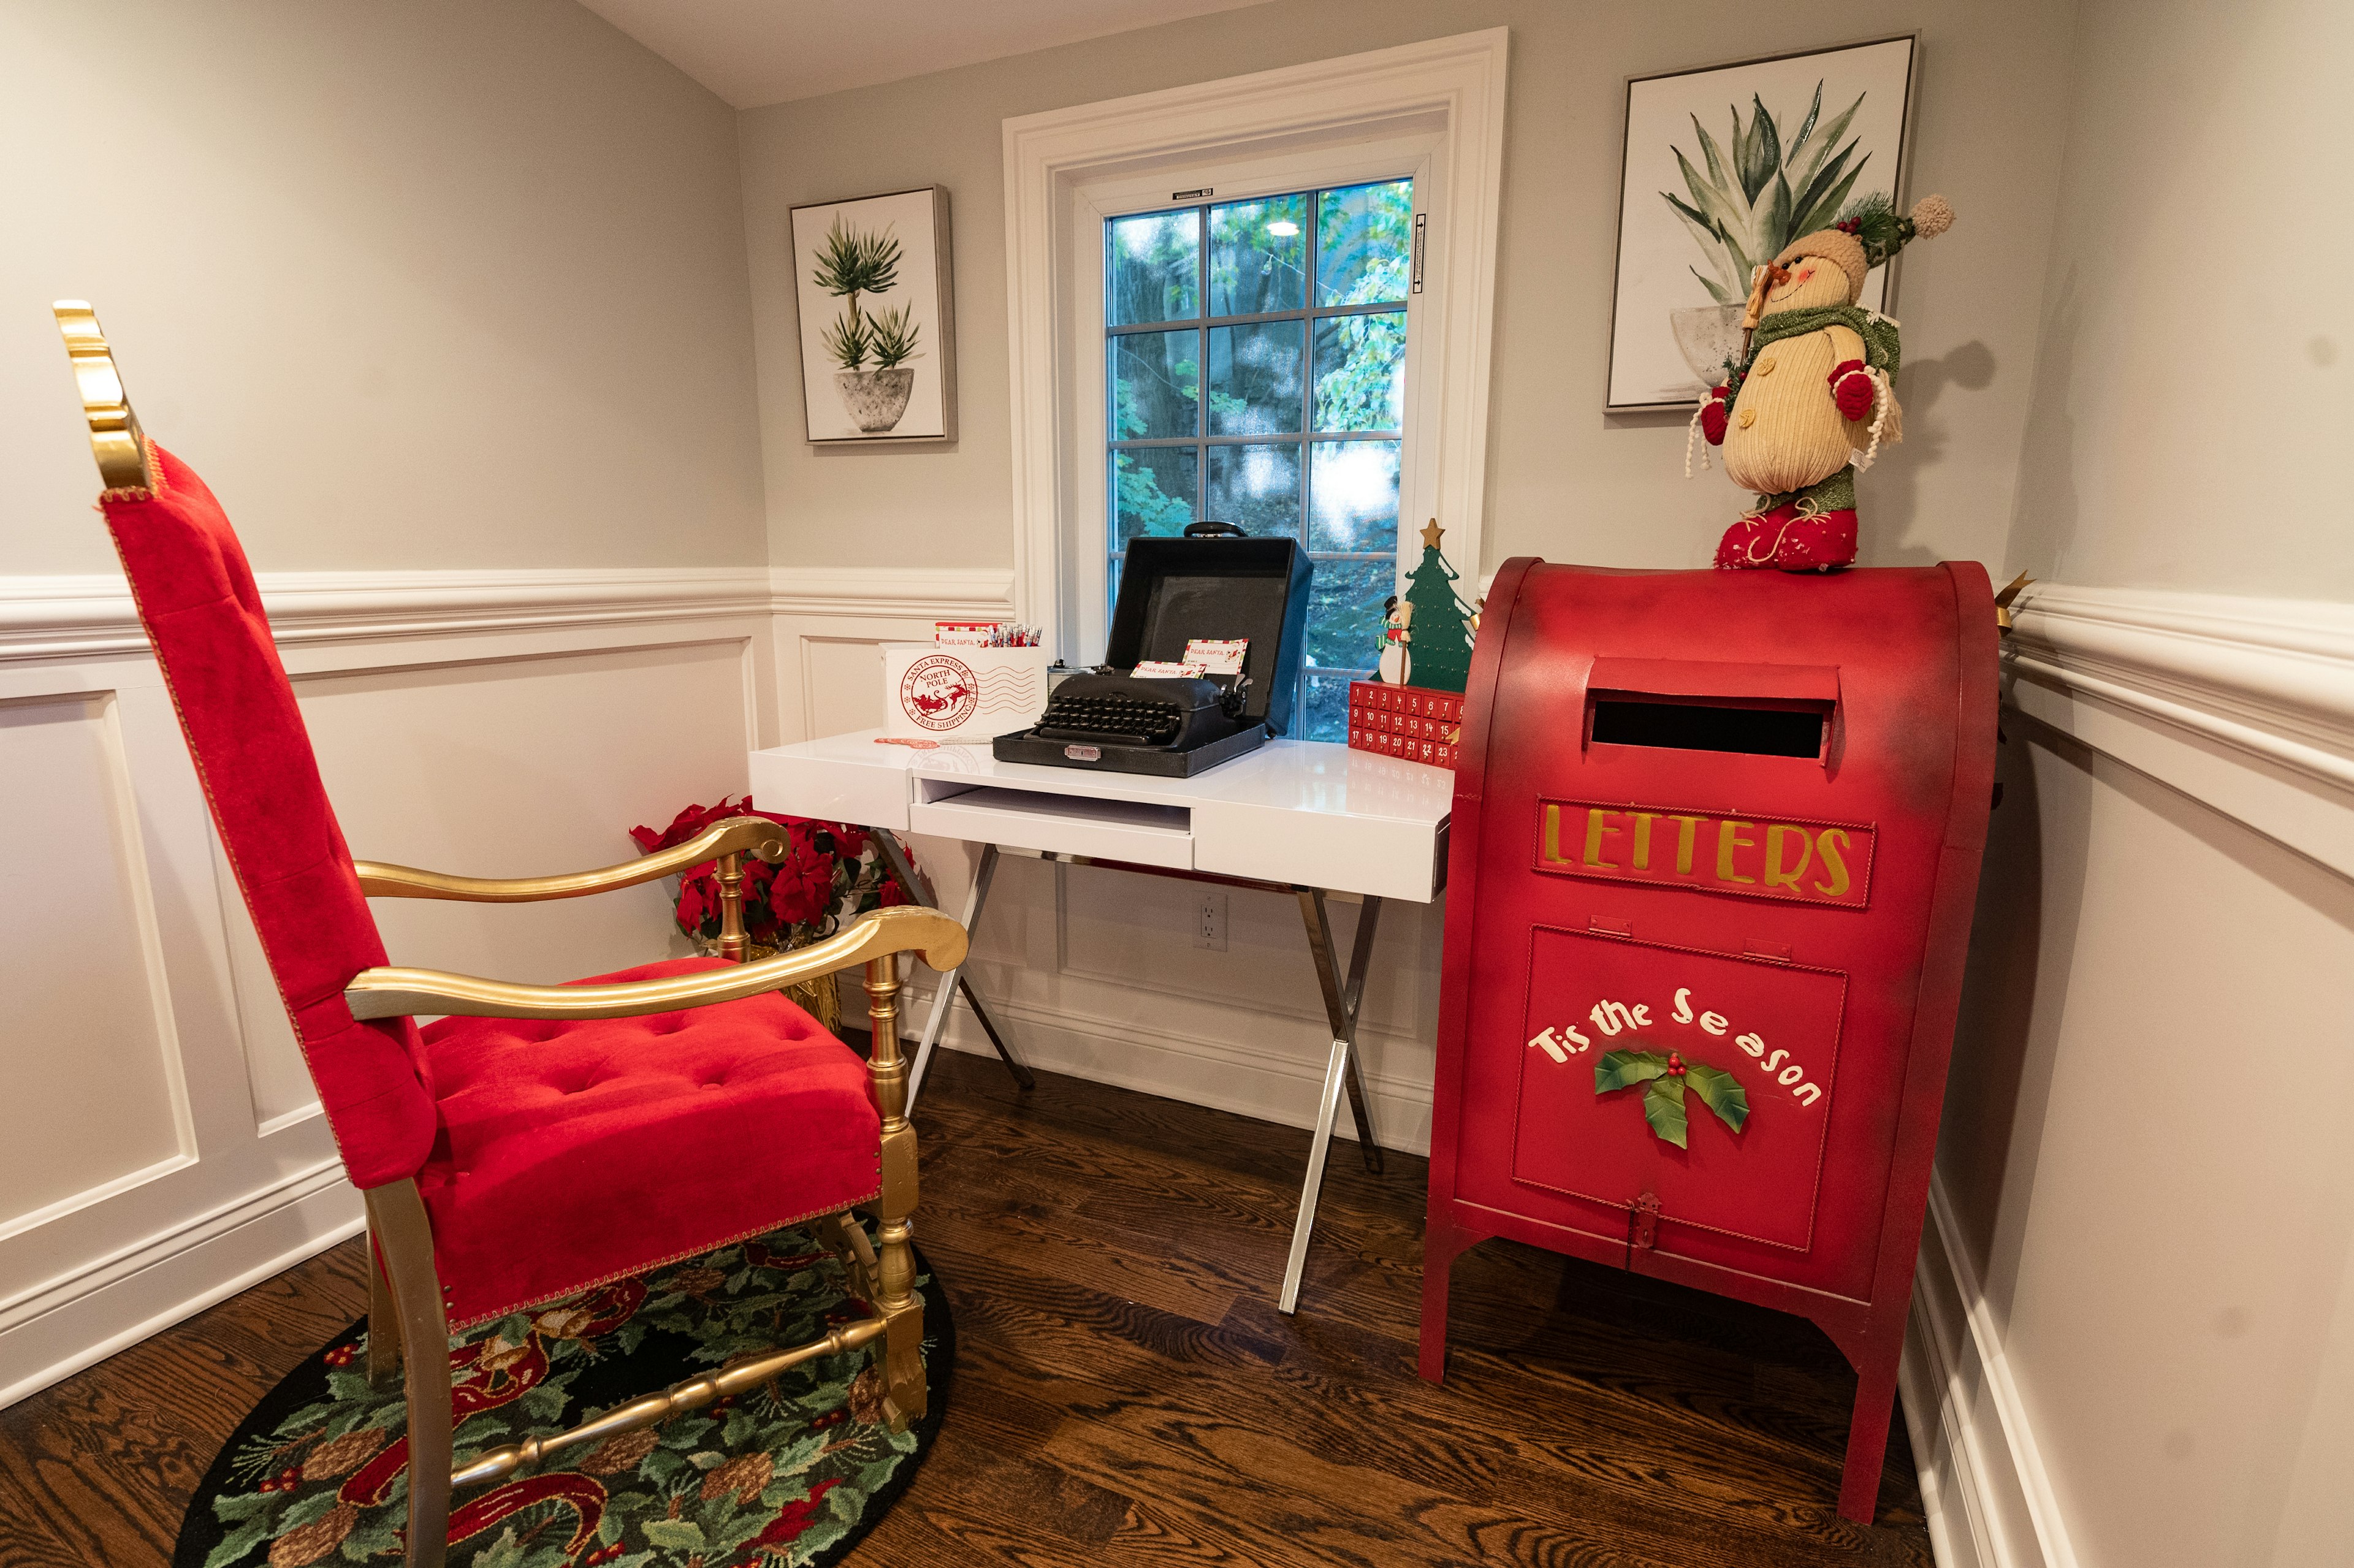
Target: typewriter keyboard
(1121,720)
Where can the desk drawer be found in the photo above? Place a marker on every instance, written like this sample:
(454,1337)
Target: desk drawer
(1132,831)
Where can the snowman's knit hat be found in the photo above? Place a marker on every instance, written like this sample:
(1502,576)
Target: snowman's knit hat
(1844,251)
(1869,236)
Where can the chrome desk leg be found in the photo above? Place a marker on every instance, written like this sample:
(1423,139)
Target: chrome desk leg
(1340,1004)
(895,855)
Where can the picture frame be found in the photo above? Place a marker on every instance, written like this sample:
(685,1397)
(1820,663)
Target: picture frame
(1701,186)
(875,299)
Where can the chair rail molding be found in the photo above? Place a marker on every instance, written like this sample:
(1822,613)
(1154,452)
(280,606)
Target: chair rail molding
(44,616)
(1456,83)
(2246,704)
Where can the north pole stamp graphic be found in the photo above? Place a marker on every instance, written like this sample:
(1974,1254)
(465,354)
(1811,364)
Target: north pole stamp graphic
(938,692)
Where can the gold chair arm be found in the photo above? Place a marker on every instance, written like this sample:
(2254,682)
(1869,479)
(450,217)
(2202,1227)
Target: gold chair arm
(395,993)
(756,835)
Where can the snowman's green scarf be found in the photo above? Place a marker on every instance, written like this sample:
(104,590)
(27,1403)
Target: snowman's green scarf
(1880,349)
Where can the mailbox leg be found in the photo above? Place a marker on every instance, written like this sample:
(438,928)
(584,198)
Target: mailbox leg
(1867,1435)
(895,855)
(1442,1243)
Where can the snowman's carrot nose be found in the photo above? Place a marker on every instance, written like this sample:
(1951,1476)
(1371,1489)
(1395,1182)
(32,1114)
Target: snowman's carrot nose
(1768,276)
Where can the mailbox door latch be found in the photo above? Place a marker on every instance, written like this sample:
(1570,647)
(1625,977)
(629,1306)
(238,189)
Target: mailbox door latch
(1642,1225)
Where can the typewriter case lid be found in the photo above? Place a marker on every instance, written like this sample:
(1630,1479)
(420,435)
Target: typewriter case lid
(1218,584)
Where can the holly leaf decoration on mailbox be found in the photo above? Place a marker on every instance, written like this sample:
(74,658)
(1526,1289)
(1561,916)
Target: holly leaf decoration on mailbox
(1625,1069)
(1665,1077)
(1663,1107)
(1720,1091)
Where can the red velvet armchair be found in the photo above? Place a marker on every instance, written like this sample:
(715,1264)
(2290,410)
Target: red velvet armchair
(537,1140)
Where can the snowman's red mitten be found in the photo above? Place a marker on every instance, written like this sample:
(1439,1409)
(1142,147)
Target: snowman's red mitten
(1711,417)
(1850,389)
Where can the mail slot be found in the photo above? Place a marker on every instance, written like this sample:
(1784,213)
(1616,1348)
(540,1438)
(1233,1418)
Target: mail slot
(1715,844)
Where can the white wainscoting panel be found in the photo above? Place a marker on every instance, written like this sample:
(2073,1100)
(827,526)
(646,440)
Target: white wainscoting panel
(2134,1330)
(74,900)
(830,621)
(515,723)
(164,1145)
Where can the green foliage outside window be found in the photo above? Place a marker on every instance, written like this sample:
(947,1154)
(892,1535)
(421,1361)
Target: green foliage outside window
(1288,387)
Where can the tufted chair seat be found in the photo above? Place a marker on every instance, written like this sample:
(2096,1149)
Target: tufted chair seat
(585,1150)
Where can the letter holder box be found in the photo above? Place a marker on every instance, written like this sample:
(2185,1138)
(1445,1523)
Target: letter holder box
(1714,848)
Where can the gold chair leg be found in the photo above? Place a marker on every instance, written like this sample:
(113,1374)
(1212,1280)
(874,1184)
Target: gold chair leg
(383,1323)
(901,1350)
(396,1218)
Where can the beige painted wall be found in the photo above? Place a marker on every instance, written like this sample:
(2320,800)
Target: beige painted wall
(428,285)
(1564,480)
(2195,385)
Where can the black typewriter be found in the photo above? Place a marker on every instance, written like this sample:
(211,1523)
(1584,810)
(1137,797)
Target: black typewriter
(1212,585)
(1138,710)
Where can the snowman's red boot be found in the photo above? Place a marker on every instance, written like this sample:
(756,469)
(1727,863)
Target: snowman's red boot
(1816,542)
(1751,543)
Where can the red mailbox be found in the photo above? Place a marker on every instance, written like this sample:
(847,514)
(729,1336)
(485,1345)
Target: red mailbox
(1715,844)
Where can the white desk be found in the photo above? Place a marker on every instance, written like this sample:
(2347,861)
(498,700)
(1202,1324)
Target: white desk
(1309,817)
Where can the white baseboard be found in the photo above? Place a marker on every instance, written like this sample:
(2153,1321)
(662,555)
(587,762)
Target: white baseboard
(1983,1484)
(59,1327)
(1187,1067)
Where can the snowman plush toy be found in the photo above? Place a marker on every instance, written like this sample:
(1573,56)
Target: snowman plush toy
(1810,404)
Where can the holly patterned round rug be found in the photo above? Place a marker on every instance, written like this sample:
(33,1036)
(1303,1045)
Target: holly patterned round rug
(789,1474)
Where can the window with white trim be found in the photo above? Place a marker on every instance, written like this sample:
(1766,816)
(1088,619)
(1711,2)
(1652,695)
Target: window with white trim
(1254,360)
(1426,119)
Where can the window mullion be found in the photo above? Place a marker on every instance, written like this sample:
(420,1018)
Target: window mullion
(1201,360)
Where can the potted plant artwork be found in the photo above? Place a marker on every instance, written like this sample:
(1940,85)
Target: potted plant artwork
(877,324)
(872,350)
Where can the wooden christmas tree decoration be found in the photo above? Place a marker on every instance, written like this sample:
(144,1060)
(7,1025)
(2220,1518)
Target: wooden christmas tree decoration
(1428,640)
(1441,635)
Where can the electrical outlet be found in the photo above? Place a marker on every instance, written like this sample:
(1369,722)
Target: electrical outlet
(1213,931)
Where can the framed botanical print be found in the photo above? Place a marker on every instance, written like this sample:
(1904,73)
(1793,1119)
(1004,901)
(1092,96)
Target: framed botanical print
(1725,166)
(878,311)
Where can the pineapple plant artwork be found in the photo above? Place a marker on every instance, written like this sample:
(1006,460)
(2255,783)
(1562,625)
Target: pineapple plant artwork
(1750,195)
(869,347)
(1724,167)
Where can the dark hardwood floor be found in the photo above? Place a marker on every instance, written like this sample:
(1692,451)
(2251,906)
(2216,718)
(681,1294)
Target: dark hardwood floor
(1126,1391)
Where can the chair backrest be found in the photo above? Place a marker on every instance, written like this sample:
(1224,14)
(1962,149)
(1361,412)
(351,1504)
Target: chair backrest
(197,598)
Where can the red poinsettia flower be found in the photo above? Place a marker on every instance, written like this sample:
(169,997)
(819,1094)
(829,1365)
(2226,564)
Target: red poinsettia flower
(683,827)
(803,890)
(823,861)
